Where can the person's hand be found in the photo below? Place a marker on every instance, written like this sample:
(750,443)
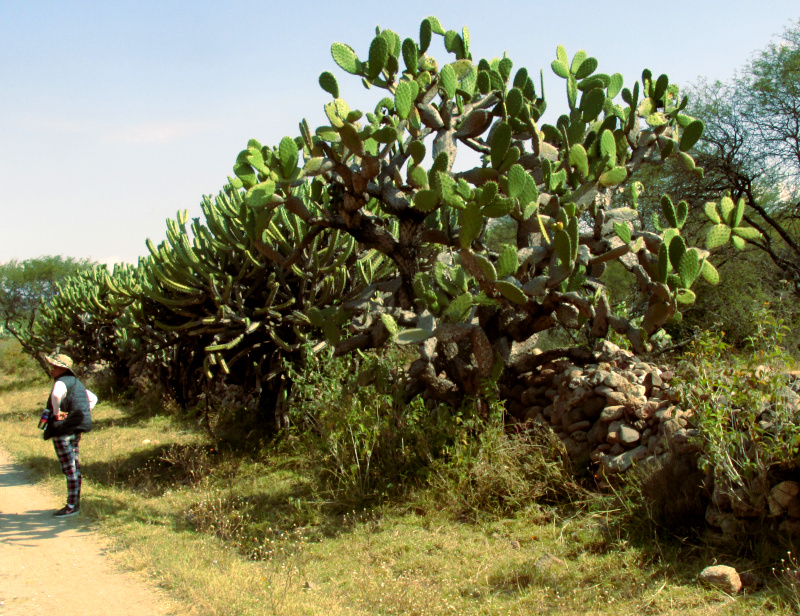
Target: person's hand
(60,416)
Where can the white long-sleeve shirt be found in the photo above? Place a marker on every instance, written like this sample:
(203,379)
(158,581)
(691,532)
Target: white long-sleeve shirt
(58,393)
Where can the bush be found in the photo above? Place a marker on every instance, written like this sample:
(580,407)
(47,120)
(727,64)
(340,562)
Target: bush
(497,473)
(359,431)
(745,412)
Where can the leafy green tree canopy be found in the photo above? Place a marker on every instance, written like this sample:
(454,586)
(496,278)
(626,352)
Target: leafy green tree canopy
(26,285)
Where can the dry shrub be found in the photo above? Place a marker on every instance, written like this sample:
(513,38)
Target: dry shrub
(497,473)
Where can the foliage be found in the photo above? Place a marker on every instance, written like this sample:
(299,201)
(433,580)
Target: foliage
(497,474)
(362,231)
(387,179)
(86,320)
(26,285)
(365,440)
(750,147)
(746,415)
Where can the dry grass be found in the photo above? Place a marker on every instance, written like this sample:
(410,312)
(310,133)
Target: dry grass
(233,536)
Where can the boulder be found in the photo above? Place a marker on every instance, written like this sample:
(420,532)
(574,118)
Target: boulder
(722,577)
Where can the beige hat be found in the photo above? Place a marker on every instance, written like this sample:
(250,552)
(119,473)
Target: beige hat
(60,360)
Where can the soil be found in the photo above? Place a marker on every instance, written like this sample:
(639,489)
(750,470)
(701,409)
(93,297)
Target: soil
(59,565)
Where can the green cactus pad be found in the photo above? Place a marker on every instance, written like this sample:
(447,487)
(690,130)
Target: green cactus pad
(378,54)
(586,68)
(614,176)
(412,336)
(507,262)
(592,104)
(738,213)
(726,207)
(404,97)
(448,82)
(681,213)
(572,91)
(511,292)
(471,224)
(747,233)
(689,267)
(504,68)
(662,83)
(560,68)
(350,138)
(385,134)
(685,296)
(417,176)
(328,83)
(577,60)
(686,161)
(738,242)
(712,212)
(562,245)
(425,31)
(246,174)
(501,140)
(668,209)
(709,273)
(410,56)
(486,267)
(615,86)
(426,200)
(346,58)
(514,102)
(516,180)
(574,236)
(498,207)
(677,248)
(691,134)
(288,151)
(416,150)
(623,231)
(390,324)
(717,235)
(259,196)
(579,159)
(608,147)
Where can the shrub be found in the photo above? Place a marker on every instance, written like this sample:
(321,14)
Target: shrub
(745,412)
(358,429)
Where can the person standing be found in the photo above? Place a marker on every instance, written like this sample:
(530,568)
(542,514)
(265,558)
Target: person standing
(70,405)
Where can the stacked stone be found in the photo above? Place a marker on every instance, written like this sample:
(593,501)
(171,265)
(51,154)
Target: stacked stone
(615,412)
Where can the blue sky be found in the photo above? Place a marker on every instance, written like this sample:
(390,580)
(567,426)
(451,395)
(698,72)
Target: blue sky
(114,115)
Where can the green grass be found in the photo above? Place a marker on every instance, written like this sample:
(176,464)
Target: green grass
(231,534)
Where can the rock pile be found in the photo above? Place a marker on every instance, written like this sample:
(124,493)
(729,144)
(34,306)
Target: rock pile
(614,412)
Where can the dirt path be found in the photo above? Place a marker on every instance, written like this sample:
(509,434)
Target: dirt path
(57,566)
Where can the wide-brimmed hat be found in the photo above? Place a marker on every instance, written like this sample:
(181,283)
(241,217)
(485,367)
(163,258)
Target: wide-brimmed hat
(60,360)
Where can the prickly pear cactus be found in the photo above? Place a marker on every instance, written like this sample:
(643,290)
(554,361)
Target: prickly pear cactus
(490,255)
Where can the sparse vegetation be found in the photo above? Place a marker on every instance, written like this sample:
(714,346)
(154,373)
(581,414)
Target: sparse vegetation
(493,526)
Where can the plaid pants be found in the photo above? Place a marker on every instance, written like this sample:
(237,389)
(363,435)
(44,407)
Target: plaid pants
(67,451)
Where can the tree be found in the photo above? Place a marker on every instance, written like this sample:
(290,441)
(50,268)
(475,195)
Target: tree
(751,147)
(387,179)
(25,286)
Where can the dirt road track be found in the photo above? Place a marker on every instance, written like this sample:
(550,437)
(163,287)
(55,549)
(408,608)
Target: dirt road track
(52,566)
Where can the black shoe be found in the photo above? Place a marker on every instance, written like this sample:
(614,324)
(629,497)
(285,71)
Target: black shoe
(66,512)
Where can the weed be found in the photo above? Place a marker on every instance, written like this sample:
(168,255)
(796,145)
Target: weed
(746,415)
